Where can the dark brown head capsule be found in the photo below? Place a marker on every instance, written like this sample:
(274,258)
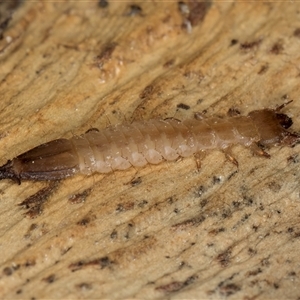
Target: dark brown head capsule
(271,126)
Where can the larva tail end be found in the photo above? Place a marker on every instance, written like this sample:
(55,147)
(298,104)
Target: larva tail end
(7,172)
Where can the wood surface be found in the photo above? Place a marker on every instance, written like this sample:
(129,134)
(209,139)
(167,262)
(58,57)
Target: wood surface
(163,231)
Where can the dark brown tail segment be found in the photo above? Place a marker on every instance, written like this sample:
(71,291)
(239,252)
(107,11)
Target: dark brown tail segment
(7,172)
(50,161)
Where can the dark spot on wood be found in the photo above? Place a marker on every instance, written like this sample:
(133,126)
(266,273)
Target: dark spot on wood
(146,93)
(233,112)
(188,223)
(226,213)
(19,292)
(176,285)
(80,197)
(183,106)
(66,250)
(181,265)
(134,10)
(274,186)
(252,252)
(263,69)
(4,24)
(293,159)
(102,262)
(136,181)
(103,3)
(190,280)
(125,206)
(197,11)
(8,271)
(245,217)
(176,210)
(296,235)
(170,287)
(265,262)
(170,63)
(229,289)
(290,230)
(105,54)
(255,228)
(49,279)
(247,200)
(114,234)
(233,42)
(200,191)
(199,101)
(203,203)
(216,180)
(33,226)
(254,272)
(277,48)
(297,33)
(35,203)
(224,258)
(236,204)
(83,222)
(170,200)
(276,285)
(30,263)
(84,286)
(142,204)
(192,75)
(247,46)
(7,9)
(216,231)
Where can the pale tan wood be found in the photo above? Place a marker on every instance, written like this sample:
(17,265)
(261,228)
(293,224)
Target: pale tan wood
(177,232)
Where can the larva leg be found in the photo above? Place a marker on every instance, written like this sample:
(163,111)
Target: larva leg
(233,112)
(199,116)
(172,119)
(229,156)
(92,129)
(282,106)
(258,151)
(199,156)
(291,139)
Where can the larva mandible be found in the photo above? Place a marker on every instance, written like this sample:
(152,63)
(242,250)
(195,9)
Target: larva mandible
(121,146)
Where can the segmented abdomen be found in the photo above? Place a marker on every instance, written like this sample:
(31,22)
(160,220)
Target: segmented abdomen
(122,146)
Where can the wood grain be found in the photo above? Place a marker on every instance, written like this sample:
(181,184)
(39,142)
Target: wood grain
(160,231)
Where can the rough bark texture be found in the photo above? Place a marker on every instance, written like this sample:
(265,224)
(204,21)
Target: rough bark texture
(160,231)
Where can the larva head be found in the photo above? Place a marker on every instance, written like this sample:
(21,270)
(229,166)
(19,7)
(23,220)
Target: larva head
(272,127)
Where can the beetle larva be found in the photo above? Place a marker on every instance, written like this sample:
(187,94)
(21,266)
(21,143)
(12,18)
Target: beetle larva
(122,146)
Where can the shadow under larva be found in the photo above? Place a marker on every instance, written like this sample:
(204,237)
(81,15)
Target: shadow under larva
(121,146)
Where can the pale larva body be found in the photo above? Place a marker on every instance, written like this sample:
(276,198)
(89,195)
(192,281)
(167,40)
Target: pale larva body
(122,146)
